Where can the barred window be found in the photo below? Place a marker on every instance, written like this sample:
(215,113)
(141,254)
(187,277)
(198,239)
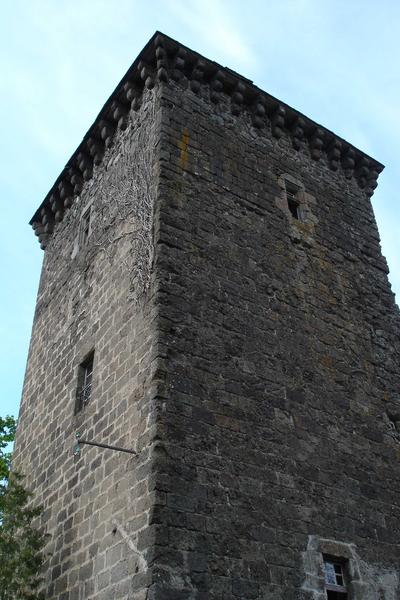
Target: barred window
(84,388)
(86,226)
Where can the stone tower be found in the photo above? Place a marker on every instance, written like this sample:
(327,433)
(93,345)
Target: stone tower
(213,296)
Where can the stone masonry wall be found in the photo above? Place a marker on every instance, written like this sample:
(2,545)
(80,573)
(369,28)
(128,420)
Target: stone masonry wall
(97,296)
(250,358)
(280,399)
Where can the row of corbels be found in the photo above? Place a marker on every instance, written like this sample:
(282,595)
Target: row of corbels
(266,112)
(200,75)
(91,152)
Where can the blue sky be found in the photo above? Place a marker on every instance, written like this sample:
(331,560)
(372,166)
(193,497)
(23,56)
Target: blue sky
(334,60)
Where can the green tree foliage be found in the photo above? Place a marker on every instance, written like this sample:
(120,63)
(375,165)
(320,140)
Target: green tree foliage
(21,543)
(7,434)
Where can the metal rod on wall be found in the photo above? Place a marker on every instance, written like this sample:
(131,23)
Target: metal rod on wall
(99,445)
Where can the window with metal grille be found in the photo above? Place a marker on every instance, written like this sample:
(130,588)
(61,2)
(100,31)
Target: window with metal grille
(86,226)
(335,579)
(292,197)
(85,376)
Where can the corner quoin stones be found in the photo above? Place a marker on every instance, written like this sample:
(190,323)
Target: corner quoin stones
(251,358)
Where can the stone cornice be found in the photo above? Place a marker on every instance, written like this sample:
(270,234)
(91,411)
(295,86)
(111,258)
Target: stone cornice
(163,59)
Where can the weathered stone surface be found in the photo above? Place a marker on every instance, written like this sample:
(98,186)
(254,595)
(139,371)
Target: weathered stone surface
(250,358)
(98,295)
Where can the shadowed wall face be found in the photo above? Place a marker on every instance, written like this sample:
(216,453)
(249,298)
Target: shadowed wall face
(282,340)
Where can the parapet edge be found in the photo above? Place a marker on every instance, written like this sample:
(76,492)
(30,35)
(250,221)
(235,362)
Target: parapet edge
(162,60)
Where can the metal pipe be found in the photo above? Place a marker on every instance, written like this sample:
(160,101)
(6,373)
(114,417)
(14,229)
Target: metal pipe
(117,448)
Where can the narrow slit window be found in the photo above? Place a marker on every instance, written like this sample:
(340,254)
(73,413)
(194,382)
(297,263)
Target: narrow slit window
(292,197)
(84,388)
(86,226)
(335,579)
